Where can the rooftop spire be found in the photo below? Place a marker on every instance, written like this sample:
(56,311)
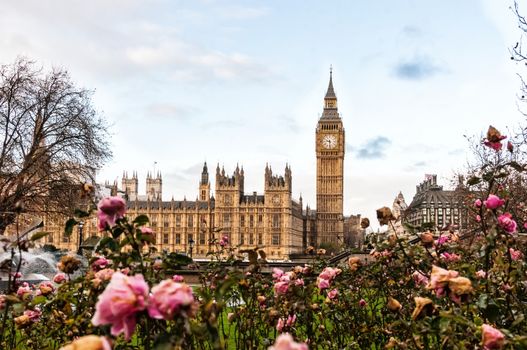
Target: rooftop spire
(330,100)
(330,94)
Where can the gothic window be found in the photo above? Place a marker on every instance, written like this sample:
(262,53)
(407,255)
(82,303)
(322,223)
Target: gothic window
(165,224)
(260,219)
(202,238)
(251,238)
(50,238)
(226,220)
(178,220)
(260,239)
(276,221)
(190,221)
(251,221)
(203,192)
(165,238)
(189,238)
(242,220)
(242,238)
(154,224)
(276,239)
(178,238)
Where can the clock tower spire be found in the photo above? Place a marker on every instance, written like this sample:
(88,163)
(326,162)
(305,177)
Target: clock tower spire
(330,145)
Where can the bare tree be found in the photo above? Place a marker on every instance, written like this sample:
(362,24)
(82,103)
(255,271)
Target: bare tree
(52,140)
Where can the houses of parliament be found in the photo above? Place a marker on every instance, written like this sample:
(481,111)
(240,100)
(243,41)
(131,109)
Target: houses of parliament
(281,225)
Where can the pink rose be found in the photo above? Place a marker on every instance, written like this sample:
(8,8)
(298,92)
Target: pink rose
(23,289)
(277,273)
(291,319)
(109,210)
(362,303)
(478,203)
(506,222)
(100,263)
(299,282)
(280,325)
(102,276)
(442,240)
(280,288)
(169,299)
(493,202)
(178,278)
(491,337)
(329,273)
(46,287)
(59,278)
(419,278)
(34,315)
(515,254)
(322,283)
(118,304)
(450,257)
(286,342)
(478,218)
(332,294)
(481,274)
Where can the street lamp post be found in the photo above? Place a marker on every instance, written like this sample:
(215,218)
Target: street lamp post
(81,238)
(191,246)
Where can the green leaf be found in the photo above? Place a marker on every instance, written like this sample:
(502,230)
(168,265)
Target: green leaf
(474,180)
(38,300)
(81,213)
(141,220)
(70,224)
(107,242)
(39,235)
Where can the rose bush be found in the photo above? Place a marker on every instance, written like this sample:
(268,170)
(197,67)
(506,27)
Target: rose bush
(452,289)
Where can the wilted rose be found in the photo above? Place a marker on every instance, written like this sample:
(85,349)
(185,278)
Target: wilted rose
(491,337)
(385,215)
(89,342)
(494,139)
(393,304)
(422,306)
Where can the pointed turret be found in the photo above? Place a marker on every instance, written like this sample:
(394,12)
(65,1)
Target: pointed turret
(330,101)
(330,94)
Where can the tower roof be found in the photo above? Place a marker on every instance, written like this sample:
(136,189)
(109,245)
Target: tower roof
(330,101)
(330,94)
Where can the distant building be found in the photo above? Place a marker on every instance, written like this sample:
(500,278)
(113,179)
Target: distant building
(399,208)
(435,206)
(353,233)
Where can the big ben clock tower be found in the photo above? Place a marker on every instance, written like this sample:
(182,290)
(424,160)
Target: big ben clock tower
(330,171)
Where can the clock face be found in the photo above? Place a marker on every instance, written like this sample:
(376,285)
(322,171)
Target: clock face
(329,141)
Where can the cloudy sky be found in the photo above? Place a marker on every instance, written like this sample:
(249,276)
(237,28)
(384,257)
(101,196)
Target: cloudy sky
(183,82)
